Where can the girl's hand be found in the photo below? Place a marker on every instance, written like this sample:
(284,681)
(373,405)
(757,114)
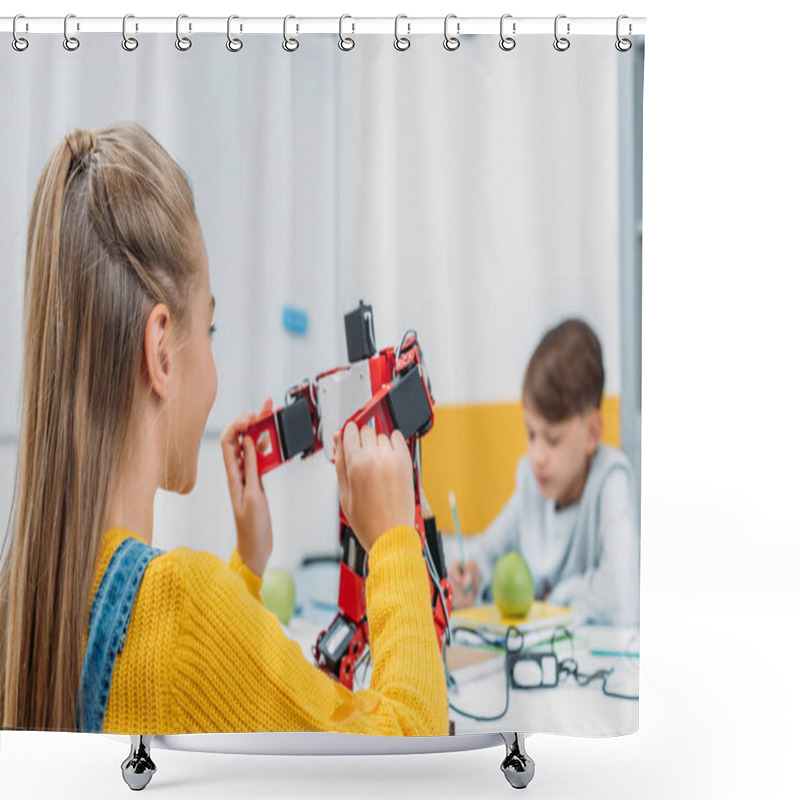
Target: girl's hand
(375,481)
(250,507)
(466,582)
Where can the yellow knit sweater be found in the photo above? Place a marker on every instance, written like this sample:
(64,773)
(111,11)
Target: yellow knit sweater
(203,655)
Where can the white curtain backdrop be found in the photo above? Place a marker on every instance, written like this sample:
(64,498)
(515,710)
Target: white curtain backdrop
(481,195)
(484,196)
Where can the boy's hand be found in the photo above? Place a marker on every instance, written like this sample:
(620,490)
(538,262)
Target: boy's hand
(375,481)
(250,507)
(466,582)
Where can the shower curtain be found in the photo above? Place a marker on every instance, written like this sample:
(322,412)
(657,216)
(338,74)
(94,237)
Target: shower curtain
(477,195)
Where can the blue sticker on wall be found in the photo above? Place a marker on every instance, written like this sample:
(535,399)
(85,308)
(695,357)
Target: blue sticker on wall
(295,320)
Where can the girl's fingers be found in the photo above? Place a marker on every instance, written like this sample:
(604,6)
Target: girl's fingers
(397,440)
(267,407)
(232,451)
(243,421)
(351,441)
(341,473)
(367,436)
(230,455)
(252,480)
(230,435)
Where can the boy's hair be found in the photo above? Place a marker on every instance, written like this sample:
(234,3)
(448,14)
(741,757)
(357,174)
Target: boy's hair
(565,373)
(110,236)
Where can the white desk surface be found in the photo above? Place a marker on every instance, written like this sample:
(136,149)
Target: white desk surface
(568,708)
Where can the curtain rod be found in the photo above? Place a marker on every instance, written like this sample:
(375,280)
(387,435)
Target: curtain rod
(350,25)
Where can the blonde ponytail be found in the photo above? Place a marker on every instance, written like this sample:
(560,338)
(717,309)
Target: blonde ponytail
(108,237)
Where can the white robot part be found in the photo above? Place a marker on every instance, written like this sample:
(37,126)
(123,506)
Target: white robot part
(339,396)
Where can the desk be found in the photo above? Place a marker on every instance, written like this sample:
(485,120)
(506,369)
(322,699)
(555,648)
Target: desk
(566,709)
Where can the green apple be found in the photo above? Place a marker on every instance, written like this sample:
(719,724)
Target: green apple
(512,585)
(277,592)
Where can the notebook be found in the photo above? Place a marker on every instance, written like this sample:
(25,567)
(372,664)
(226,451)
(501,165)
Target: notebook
(537,625)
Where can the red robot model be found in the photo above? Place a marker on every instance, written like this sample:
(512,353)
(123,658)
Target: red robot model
(388,389)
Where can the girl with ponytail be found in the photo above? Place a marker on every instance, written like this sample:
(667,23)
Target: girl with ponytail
(99,630)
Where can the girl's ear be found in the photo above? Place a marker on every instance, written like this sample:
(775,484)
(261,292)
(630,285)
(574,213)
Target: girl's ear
(157,364)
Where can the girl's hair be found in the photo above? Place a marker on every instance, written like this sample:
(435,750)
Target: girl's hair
(109,234)
(565,375)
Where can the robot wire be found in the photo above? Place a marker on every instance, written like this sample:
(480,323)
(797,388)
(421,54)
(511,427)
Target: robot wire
(569,667)
(492,643)
(426,550)
(566,668)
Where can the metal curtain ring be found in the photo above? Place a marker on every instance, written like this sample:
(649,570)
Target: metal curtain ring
(128,42)
(233,44)
(289,45)
(507,42)
(561,43)
(623,45)
(70,42)
(181,42)
(401,42)
(345,42)
(451,42)
(18,43)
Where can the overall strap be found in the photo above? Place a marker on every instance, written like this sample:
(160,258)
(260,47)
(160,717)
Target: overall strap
(108,626)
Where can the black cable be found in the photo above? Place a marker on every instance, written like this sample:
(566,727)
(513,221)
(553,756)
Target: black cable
(566,668)
(492,643)
(617,694)
(569,666)
(559,632)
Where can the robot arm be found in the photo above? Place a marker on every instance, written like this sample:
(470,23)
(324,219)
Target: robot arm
(383,390)
(288,431)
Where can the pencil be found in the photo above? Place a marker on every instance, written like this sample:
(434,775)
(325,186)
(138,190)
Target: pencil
(459,537)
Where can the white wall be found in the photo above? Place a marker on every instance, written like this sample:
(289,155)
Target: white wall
(483,202)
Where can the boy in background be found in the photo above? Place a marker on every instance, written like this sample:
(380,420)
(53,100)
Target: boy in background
(573,515)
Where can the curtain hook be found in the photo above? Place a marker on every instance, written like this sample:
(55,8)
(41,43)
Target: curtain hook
(401,42)
(289,45)
(70,42)
(233,44)
(623,45)
(561,43)
(182,42)
(507,42)
(18,43)
(128,42)
(451,42)
(346,43)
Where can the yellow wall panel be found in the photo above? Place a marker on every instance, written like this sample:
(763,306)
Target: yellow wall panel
(473,450)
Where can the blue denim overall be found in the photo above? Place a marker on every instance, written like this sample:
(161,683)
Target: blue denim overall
(108,626)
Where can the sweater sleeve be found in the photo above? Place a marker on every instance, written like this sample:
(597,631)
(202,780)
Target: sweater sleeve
(502,536)
(235,670)
(608,592)
(251,580)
